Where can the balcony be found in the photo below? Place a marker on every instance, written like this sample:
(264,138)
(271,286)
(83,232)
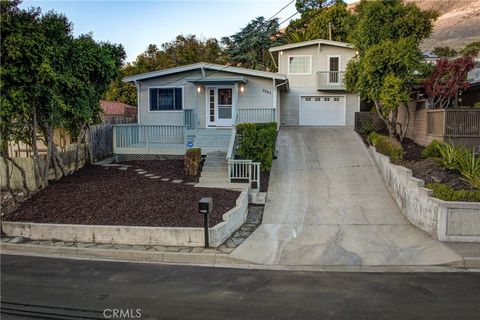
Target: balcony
(330,80)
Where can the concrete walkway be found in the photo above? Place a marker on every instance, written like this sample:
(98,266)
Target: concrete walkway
(327,205)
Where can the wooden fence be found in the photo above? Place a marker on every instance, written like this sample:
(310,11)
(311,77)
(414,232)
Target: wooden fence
(100,141)
(453,122)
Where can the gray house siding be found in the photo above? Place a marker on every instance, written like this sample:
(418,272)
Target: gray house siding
(258,93)
(305,85)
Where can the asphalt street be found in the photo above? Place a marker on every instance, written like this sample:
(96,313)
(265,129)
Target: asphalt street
(50,288)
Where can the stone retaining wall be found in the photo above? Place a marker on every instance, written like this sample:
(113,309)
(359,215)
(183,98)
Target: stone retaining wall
(443,220)
(133,235)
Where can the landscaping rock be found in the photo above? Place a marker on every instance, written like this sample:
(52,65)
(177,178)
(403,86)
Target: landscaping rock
(155,177)
(149,175)
(176,181)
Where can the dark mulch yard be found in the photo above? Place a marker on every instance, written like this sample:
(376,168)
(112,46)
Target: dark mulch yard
(428,169)
(109,196)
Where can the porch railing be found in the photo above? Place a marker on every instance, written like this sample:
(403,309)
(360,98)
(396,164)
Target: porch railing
(190,119)
(256,115)
(454,122)
(148,139)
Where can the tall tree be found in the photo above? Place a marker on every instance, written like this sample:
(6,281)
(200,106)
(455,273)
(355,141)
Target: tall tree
(471,49)
(320,19)
(249,47)
(49,79)
(387,35)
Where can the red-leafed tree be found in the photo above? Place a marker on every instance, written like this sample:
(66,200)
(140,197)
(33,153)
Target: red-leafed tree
(447,79)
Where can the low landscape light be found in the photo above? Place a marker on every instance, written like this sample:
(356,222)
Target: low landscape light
(205,206)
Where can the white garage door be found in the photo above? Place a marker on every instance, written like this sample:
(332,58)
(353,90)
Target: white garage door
(322,111)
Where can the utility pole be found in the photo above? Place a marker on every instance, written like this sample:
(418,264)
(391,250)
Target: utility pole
(330,31)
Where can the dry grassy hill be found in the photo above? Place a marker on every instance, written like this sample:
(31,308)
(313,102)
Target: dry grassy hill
(457,25)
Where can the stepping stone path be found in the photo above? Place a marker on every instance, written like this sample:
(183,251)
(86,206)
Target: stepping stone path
(165,179)
(149,174)
(176,181)
(141,172)
(155,177)
(123,168)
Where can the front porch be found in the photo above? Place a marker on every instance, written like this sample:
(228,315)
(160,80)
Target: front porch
(175,139)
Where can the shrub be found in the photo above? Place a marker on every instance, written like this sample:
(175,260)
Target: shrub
(367,127)
(192,161)
(389,147)
(257,142)
(446,193)
(372,137)
(469,168)
(431,151)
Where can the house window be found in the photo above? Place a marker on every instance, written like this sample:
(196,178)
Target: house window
(327,99)
(166,99)
(300,65)
(336,99)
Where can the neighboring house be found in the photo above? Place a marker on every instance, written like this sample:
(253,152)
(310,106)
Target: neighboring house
(117,112)
(430,57)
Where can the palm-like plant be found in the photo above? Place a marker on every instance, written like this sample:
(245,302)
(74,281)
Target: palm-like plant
(469,168)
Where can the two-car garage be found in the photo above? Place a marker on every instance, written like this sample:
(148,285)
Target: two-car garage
(322,111)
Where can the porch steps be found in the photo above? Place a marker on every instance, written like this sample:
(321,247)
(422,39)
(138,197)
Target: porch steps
(212,140)
(215,168)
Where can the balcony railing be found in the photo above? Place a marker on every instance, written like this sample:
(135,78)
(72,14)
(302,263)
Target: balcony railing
(330,80)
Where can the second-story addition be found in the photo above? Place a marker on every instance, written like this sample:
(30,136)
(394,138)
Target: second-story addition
(315,71)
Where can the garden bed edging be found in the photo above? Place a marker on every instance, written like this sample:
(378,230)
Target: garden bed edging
(444,220)
(133,235)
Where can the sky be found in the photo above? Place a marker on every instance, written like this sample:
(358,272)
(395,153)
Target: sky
(136,24)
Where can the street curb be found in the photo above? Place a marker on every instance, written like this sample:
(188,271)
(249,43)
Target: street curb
(124,255)
(471,264)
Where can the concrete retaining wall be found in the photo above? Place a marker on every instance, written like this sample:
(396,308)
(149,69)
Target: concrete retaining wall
(443,220)
(166,236)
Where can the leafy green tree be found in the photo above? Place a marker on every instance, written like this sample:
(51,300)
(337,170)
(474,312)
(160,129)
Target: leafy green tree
(249,47)
(471,49)
(320,21)
(49,79)
(387,35)
(305,6)
(445,52)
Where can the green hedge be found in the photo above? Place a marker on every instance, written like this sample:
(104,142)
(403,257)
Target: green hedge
(257,142)
(446,193)
(387,146)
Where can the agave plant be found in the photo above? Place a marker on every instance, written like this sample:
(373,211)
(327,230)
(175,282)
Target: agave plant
(469,168)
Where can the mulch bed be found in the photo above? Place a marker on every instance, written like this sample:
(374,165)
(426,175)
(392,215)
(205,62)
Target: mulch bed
(97,195)
(428,169)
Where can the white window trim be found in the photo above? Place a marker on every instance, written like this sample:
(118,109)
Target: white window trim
(166,87)
(299,56)
(339,62)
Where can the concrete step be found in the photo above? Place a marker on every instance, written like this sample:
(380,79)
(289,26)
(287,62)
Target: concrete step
(214,168)
(213,180)
(229,186)
(206,150)
(216,174)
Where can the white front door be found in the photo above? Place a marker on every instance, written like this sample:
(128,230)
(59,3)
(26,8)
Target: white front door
(219,106)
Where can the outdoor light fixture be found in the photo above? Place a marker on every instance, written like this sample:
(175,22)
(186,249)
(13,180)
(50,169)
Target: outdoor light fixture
(242,88)
(281,53)
(205,206)
(199,89)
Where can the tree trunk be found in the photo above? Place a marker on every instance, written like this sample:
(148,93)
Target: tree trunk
(390,127)
(404,127)
(39,182)
(77,148)
(25,187)
(8,182)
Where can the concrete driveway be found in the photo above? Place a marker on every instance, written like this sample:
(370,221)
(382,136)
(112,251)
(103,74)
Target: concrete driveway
(327,205)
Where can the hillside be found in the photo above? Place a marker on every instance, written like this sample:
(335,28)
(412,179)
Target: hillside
(457,25)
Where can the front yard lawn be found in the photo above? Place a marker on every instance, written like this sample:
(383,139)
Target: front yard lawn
(97,195)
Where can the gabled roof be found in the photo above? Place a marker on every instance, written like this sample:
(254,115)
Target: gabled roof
(310,43)
(204,65)
(116,108)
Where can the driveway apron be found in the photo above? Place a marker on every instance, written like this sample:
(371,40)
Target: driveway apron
(328,205)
